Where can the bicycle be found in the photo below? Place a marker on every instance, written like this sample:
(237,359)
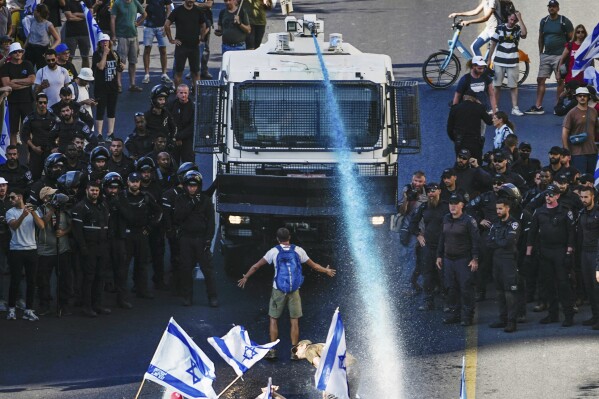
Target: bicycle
(442,69)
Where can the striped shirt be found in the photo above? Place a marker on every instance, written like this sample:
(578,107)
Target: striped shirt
(506,54)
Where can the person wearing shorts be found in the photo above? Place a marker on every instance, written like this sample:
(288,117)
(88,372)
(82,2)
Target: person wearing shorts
(505,60)
(158,11)
(554,31)
(280,300)
(191,29)
(123,27)
(76,34)
(489,17)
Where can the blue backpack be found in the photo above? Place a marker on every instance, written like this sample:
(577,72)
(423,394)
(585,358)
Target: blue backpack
(288,275)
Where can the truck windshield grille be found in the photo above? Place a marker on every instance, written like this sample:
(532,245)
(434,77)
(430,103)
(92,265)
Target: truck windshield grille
(294,116)
(303,169)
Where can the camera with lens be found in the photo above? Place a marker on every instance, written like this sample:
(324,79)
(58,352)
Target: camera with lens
(411,194)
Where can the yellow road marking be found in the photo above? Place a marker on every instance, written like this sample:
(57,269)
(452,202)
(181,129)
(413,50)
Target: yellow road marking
(471,357)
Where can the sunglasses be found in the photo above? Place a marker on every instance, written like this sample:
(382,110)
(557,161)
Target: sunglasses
(498,161)
(580,31)
(42,102)
(51,61)
(18,51)
(497,183)
(525,150)
(12,197)
(581,95)
(550,195)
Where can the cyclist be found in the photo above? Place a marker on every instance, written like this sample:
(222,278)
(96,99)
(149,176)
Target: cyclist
(490,11)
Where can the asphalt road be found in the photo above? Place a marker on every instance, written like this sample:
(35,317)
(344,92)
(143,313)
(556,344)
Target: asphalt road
(76,357)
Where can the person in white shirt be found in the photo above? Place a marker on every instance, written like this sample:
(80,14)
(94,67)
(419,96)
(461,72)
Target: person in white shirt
(51,78)
(80,89)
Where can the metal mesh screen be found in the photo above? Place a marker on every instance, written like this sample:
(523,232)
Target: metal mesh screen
(209,116)
(405,116)
(304,169)
(294,115)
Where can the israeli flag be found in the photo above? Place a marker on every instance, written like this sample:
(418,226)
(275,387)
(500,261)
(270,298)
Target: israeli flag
(5,135)
(238,350)
(181,365)
(597,174)
(591,76)
(268,393)
(463,382)
(93,30)
(331,374)
(588,50)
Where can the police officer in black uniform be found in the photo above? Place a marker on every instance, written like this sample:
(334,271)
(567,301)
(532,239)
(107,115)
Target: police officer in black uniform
(588,239)
(90,229)
(68,126)
(140,142)
(53,169)
(552,229)
(141,212)
(66,97)
(500,162)
(431,213)
(449,186)
(567,198)
(483,209)
(168,202)
(113,185)
(194,217)
(35,132)
(118,161)
(182,110)
(97,168)
(158,119)
(17,175)
(526,166)
(458,255)
(503,240)
(469,175)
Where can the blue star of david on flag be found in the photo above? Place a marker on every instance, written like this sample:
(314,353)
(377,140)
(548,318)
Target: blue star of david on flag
(249,352)
(331,374)
(342,361)
(191,370)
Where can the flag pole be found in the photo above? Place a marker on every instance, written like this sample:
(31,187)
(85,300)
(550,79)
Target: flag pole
(227,387)
(140,387)
(239,8)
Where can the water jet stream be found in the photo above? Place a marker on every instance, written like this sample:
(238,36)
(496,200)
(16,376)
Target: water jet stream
(385,374)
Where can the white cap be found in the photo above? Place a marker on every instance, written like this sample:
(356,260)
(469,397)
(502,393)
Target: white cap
(583,90)
(103,37)
(3,180)
(478,60)
(86,74)
(16,46)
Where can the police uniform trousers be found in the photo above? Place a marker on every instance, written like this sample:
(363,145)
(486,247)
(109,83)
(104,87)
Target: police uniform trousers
(192,252)
(36,163)
(591,286)
(157,243)
(93,266)
(62,265)
(138,248)
(555,276)
(505,274)
(485,265)
(460,282)
(173,245)
(533,280)
(430,273)
(120,267)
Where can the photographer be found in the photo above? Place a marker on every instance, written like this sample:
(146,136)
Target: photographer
(22,219)
(55,237)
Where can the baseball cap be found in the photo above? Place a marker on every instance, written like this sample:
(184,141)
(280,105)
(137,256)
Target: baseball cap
(555,150)
(499,177)
(525,144)
(3,180)
(448,173)
(561,178)
(456,198)
(553,3)
(103,37)
(584,178)
(429,186)
(45,191)
(61,48)
(464,152)
(478,60)
(582,90)
(552,189)
(134,177)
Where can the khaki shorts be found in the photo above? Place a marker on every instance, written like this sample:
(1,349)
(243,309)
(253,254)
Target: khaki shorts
(278,300)
(548,65)
(128,49)
(511,73)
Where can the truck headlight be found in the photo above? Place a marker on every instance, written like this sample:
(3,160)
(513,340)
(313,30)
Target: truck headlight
(377,220)
(233,219)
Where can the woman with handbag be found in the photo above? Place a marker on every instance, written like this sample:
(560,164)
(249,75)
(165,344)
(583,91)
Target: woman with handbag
(564,66)
(580,131)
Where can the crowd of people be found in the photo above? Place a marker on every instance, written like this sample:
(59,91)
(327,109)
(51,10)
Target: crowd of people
(502,216)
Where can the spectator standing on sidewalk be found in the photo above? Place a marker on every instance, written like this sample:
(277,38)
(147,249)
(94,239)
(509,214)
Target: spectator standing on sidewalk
(206,7)
(157,13)
(38,40)
(233,26)
(123,28)
(505,60)
(554,31)
(63,55)
(256,10)
(76,34)
(51,78)
(566,61)
(191,28)
(581,119)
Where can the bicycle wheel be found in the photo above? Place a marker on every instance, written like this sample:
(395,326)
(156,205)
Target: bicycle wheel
(524,68)
(435,76)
